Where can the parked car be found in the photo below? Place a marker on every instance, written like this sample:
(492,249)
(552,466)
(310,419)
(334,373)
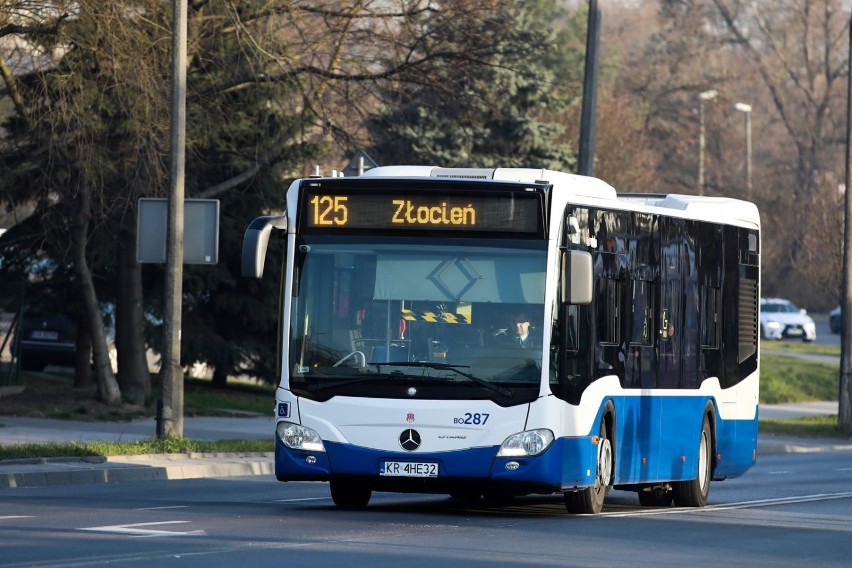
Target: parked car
(51,339)
(781,319)
(47,339)
(834,320)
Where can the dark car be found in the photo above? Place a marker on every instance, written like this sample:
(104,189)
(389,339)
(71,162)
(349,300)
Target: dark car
(47,340)
(834,320)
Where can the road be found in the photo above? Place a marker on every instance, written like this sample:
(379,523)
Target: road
(823,332)
(789,510)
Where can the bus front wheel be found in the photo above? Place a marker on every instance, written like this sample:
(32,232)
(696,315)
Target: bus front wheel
(694,492)
(589,501)
(350,494)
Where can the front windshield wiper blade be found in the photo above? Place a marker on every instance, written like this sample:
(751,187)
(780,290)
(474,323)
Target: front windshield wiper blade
(362,379)
(504,391)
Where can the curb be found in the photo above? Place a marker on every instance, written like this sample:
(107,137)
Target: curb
(44,472)
(769,445)
(117,469)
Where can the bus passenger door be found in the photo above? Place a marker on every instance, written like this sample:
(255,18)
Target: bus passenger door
(671,306)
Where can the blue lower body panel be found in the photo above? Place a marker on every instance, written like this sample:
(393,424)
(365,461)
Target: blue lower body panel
(568,463)
(657,440)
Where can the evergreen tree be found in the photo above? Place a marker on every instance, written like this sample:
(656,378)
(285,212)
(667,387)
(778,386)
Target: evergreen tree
(496,109)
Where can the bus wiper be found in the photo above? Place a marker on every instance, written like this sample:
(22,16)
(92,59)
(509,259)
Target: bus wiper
(361,379)
(504,391)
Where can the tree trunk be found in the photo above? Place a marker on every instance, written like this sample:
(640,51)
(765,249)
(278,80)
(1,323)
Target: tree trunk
(83,355)
(108,390)
(220,377)
(133,376)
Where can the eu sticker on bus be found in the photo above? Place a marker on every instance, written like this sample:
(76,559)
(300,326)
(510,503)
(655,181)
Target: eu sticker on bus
(408,469)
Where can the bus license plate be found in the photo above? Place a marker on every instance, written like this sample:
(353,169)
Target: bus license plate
(408,469)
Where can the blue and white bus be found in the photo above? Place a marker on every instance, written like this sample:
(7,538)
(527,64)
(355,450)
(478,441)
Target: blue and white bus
(404,294)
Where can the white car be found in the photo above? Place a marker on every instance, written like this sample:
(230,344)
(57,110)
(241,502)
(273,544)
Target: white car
(780,319)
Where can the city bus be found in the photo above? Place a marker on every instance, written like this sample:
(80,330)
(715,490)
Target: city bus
(405,294)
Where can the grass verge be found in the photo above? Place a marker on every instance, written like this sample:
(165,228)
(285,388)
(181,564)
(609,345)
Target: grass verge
(790,379)
(798,347)
(821,426)
(152,446)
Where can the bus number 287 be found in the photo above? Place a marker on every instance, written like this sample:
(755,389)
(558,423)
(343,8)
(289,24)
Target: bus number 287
(474,418)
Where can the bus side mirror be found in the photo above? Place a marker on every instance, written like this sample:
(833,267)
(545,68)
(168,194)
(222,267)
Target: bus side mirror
(255,242)
(577,274)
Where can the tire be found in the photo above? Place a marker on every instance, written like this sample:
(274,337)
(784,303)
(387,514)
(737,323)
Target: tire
(30,363)
(350,494)
(694,493)
(589,501)
(656,497)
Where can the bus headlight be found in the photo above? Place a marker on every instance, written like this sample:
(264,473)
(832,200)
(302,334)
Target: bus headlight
(528,443)
(297,437)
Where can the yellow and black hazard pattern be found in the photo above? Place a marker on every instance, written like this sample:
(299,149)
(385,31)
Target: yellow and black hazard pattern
(436,317)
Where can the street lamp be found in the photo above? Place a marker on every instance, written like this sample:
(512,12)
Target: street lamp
(703,96)
(746,110)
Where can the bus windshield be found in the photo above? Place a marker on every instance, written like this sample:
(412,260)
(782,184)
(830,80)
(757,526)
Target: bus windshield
(448,318)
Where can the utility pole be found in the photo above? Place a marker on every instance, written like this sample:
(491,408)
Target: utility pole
(586,157)
(170,402)
(844,412)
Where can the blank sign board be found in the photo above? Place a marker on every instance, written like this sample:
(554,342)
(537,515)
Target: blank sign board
(200,230)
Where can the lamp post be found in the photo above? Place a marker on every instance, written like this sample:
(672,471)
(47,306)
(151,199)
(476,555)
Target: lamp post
(746,110)
(703,96)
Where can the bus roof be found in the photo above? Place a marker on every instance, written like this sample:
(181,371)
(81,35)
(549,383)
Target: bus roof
(716,209)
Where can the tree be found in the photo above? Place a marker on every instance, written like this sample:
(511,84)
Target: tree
(799,52)
(272,89)
(78,135)
(490,110)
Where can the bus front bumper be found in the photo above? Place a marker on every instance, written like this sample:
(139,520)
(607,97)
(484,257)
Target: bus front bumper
(569,463)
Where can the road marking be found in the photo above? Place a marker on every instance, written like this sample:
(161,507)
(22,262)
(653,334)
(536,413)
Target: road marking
(15,517)
(733,506)
(302,499)
(134,530)
(165,507)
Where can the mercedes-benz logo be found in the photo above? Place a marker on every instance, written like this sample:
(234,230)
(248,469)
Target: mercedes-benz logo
(409,440)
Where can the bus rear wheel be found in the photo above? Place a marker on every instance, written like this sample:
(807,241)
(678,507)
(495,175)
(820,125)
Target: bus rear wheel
(589,501)
(694,492)
(350,494)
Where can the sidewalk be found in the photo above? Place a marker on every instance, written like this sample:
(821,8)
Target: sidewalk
(112,469)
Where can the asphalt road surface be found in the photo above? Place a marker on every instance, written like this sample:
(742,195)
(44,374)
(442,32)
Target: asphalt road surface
(788,510)
(823,332)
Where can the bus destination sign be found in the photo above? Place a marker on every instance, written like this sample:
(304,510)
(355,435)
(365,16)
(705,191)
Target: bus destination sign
(502,211)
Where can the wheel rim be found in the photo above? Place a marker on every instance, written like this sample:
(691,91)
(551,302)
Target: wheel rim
(703,459)
(604,463)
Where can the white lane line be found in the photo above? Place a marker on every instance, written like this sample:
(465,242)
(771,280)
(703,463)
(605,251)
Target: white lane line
(3,518)
(732,506)
(135,530)
(302,499)
(164,507)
